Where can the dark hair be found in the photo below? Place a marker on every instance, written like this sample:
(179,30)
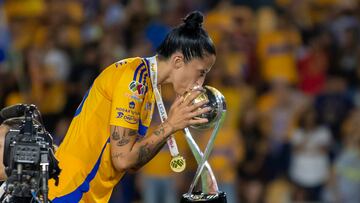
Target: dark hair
(189,38)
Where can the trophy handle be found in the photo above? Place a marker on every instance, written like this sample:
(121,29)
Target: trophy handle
(208,179)
(207,152)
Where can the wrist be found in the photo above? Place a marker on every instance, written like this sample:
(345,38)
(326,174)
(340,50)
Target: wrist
(170,127)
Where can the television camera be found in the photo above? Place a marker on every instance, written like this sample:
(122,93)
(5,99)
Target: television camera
(28,155)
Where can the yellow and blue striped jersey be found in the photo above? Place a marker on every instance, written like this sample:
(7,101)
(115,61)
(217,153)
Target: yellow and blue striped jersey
(121,95)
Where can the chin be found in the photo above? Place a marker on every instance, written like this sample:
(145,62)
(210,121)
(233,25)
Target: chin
(179,91)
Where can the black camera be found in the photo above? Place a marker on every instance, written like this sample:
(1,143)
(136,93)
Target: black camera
(28,155)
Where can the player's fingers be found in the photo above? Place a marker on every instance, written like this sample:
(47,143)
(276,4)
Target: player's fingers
(198,105)
(198,121)
(178,100)
(189,97)
(199,111)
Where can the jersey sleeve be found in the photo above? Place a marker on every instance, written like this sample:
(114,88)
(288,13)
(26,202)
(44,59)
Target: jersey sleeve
(127,97)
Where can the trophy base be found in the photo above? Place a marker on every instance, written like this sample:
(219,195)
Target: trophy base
(206,198)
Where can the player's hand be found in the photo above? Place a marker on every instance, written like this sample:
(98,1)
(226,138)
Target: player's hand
(183,111)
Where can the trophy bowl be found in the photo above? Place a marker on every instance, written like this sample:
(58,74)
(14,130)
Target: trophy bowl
(217,104)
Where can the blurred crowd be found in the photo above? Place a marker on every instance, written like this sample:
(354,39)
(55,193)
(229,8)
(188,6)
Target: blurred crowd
(289,70)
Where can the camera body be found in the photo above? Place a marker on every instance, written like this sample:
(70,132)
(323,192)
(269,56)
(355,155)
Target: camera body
(28,158)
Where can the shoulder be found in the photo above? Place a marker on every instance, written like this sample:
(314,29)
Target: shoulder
(132,74)
(135,67)
(131,68)
(139,73)
(131,63)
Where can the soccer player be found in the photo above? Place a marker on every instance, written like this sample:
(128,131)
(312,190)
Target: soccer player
(108,134)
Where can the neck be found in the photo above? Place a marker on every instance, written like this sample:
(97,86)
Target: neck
(163,71)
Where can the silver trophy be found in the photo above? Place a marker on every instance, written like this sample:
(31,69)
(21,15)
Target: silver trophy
(209,189)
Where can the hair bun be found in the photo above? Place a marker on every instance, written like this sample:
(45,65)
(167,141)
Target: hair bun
(194,20)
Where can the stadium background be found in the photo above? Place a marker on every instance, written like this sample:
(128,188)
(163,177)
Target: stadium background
(289,70)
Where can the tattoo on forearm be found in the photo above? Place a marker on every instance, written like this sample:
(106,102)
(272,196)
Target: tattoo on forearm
(146,153)
(160,131)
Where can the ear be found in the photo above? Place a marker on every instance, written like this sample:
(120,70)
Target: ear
(178,60)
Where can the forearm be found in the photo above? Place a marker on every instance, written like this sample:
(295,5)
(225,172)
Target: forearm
(145,149)
(127,152)
(142,150)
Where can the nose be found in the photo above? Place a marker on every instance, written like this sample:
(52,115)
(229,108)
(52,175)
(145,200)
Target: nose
(200,81)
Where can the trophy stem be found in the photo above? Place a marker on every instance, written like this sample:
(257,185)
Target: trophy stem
(207,152)
(208,179)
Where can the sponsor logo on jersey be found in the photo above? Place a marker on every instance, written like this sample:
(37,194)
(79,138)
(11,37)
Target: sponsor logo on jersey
(120,114)
(128,111)
(131,119)
(137,87)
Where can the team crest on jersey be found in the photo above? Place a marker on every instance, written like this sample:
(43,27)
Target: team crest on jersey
(132,105)
(138,87)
